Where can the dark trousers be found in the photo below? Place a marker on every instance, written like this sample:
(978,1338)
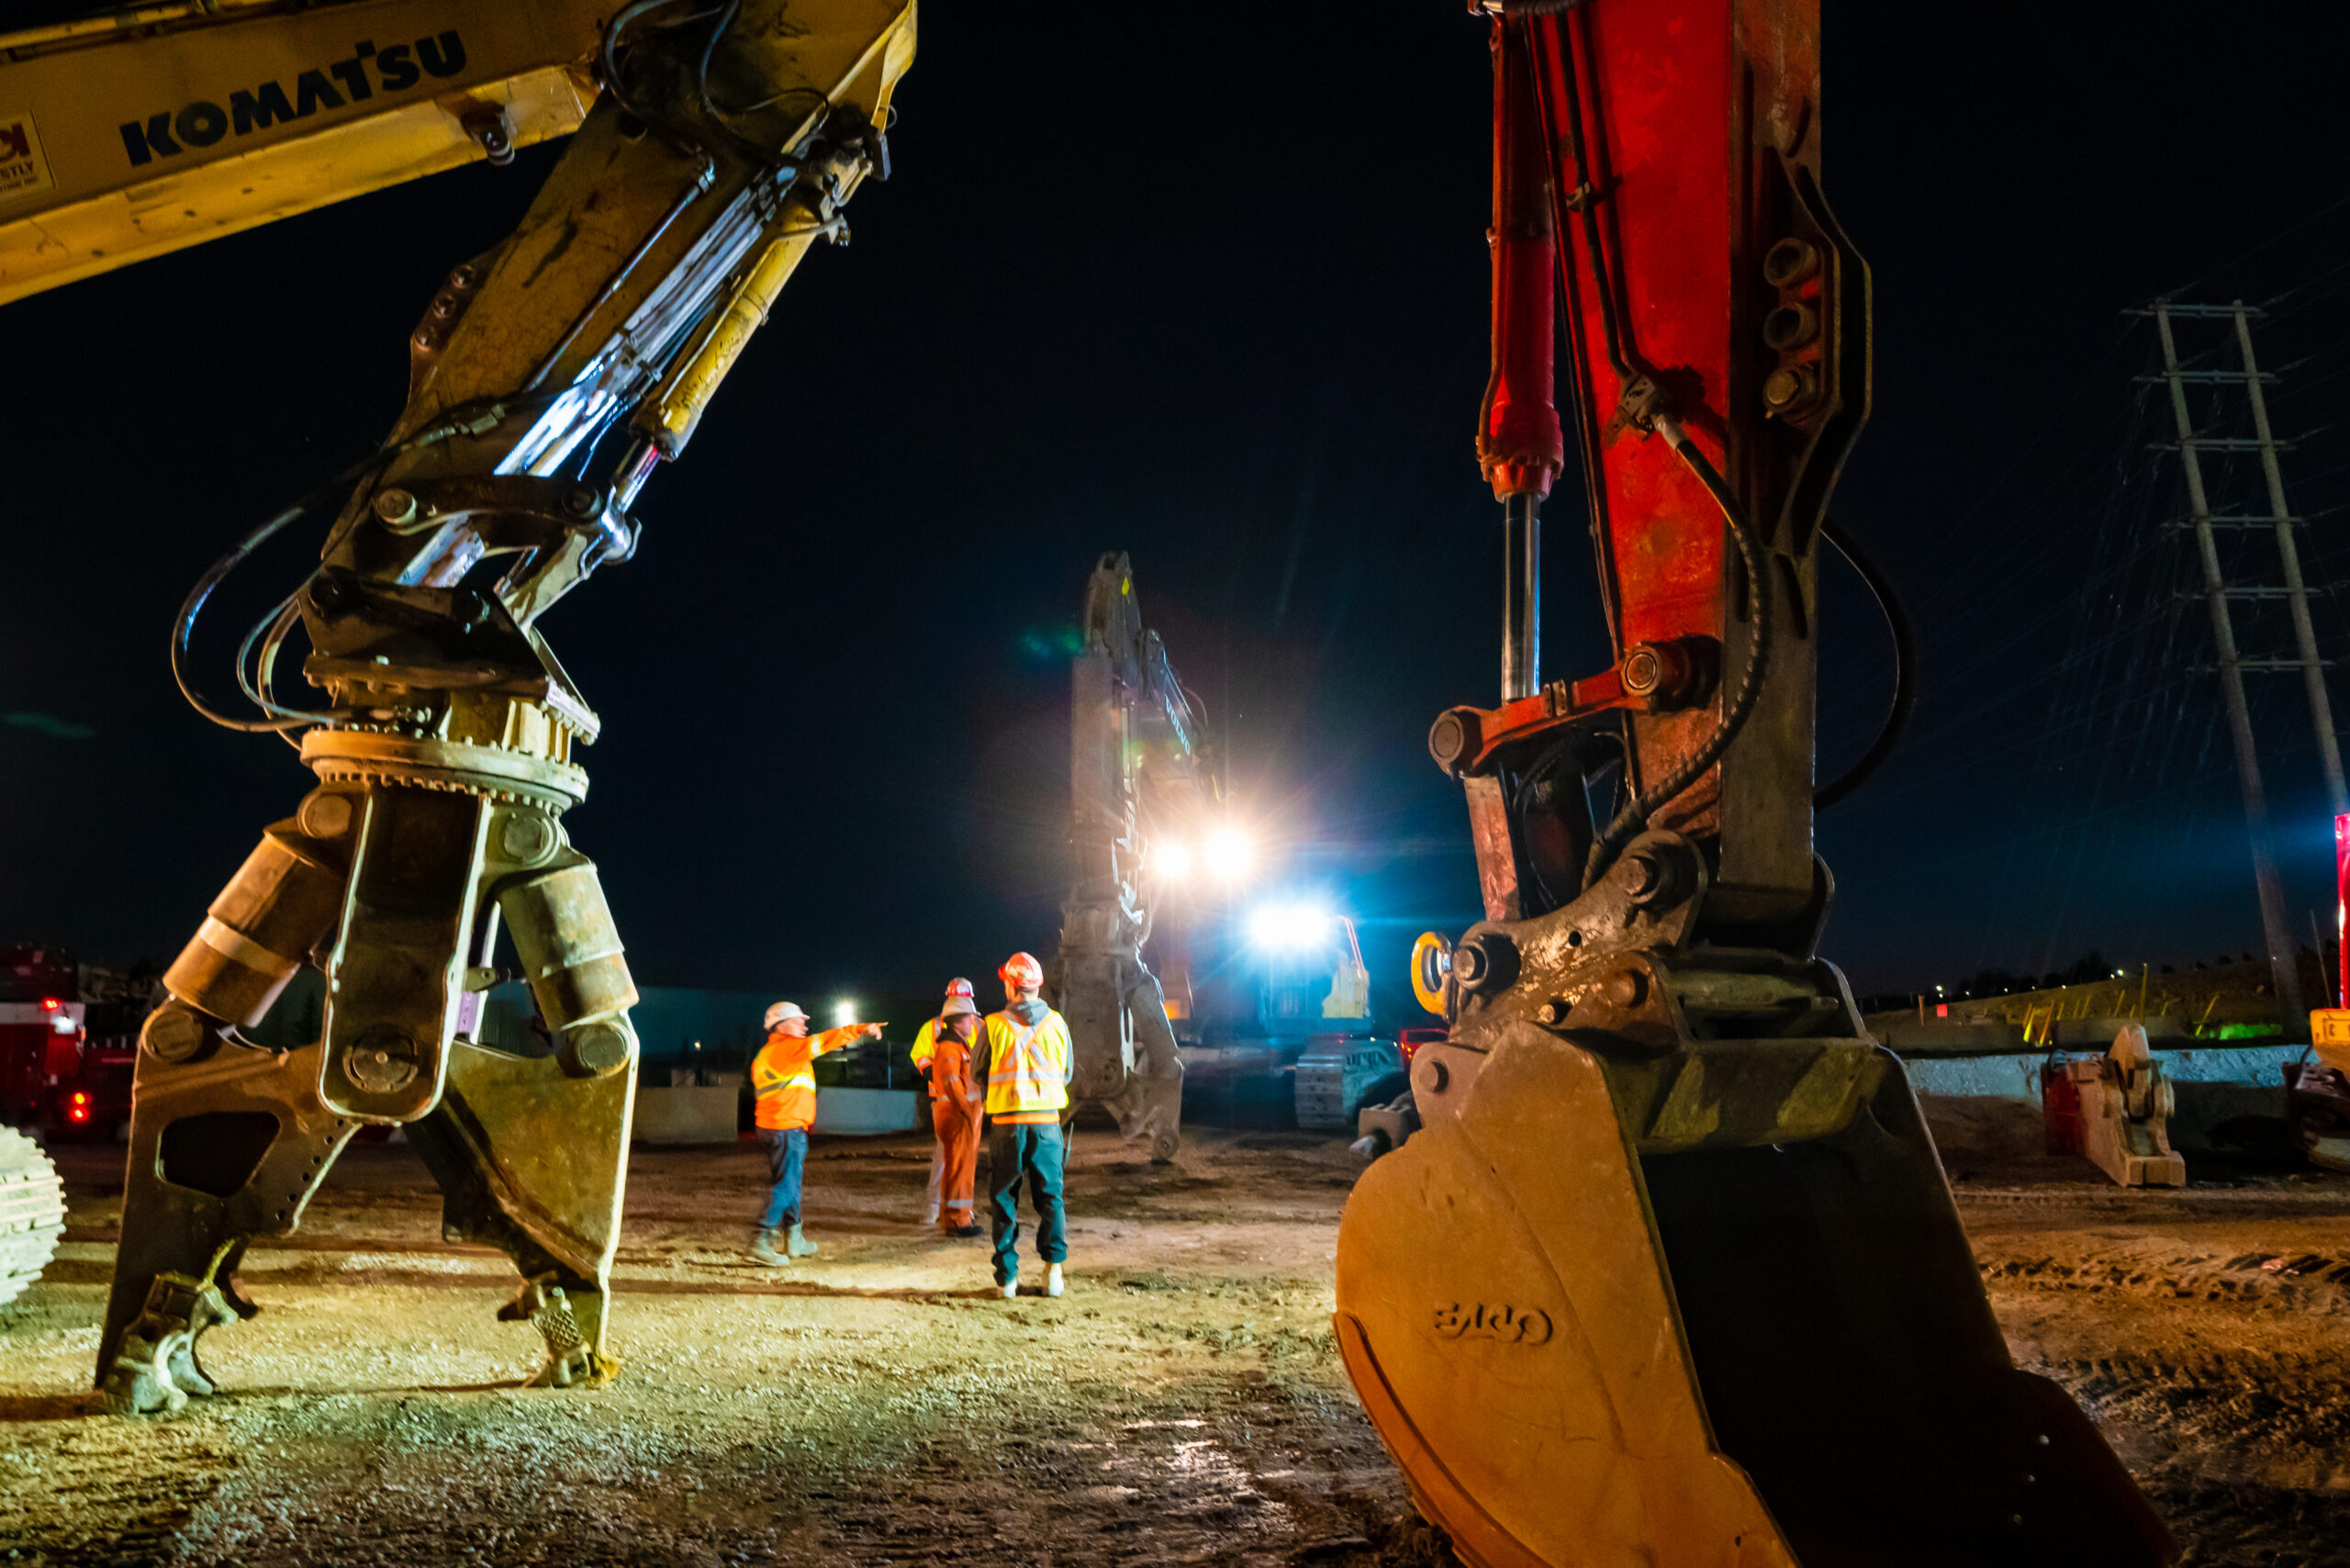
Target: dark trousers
(787,1152)
(1036,1152)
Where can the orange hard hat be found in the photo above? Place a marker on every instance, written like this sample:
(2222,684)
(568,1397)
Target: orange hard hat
(958,986)
(1022,970)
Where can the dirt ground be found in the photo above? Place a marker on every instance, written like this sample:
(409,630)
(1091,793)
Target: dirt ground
(1183,1403)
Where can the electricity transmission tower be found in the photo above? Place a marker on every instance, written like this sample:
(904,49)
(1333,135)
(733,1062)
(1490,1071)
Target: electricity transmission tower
(2276,522)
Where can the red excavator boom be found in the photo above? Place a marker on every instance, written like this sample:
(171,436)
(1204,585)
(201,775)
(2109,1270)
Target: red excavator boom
(1671,1274)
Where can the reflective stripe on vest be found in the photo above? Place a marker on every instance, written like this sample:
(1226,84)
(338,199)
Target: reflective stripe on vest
(804,1078)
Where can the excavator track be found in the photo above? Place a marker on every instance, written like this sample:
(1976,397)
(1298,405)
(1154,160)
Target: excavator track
(1318,1091)
(32,1213)
(1335,1079)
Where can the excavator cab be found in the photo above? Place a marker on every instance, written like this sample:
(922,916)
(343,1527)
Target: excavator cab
(1672,1275)
(1307,967)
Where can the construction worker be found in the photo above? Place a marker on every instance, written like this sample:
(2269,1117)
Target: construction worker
(783,1090)
(1028,1068)
(954,1112)
(925,1043)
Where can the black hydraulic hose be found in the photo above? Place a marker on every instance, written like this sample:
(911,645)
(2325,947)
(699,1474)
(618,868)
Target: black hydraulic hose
(1740,705)
(756,155)
(1581,203)
(468,418)
(260,686)
(1904,670)
(183,628)
(608,55)
(1649,410)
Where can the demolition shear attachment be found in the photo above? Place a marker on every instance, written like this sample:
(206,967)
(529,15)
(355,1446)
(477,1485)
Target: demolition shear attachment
(527,1136)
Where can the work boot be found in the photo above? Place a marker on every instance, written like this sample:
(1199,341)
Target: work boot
(1010,1289)
(799,1245)
(762,1248)
(930,1216)
(967,1231)
(1052,1279)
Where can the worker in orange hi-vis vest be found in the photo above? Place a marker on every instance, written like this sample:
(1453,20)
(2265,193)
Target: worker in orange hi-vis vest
(783,1092)
(925,1043)
(954,1112)
(1028,1068)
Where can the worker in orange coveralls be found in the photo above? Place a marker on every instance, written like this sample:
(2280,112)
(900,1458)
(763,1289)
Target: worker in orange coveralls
(925,1043)
(954,1111)
(783,1091)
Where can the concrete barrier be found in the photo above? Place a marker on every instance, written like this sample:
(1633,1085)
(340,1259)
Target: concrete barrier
(709,1115)
(2214,1085)
(687,1115)
(2261,1067)
(863,1112)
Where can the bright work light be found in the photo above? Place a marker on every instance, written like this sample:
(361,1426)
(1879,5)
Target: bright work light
(1289,927)
(1171,860)
(843,1011)
(1229,853)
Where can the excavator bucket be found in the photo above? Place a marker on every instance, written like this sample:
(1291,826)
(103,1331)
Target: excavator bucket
(1591,1335)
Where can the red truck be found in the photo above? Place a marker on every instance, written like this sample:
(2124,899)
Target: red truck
(64,1062)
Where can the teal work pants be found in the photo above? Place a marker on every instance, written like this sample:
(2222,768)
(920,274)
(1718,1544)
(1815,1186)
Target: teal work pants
(1038,1153)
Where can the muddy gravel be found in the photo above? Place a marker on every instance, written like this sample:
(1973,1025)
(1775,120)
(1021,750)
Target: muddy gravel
(1183,1403)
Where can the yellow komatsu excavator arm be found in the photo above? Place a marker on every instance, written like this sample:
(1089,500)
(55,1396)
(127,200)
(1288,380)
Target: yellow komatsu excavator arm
(133,132)
(716,143)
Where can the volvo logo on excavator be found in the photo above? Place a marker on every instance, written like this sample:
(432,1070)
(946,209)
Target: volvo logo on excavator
(396,68)
(1511,1325)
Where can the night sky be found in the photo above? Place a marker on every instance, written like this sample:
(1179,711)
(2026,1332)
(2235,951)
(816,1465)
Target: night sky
(1206,284)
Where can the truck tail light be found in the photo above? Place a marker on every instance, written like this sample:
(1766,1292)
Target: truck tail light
(77,1107)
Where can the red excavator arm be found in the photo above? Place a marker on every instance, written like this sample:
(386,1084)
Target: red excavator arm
(1715,322)
(1673,1274)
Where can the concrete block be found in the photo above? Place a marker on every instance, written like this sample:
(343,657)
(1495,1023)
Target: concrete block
(865,1113)
(2002,1077)
(687,1115)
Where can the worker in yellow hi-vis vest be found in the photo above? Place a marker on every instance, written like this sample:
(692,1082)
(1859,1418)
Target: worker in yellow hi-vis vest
(1029,1066)
(783,1090)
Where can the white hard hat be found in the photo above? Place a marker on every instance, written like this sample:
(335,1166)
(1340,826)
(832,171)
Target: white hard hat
(781,1012)
(959,1007)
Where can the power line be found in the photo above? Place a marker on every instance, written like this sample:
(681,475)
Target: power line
(2279,237)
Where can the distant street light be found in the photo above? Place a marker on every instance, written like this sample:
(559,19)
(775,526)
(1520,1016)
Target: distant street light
(843,1011)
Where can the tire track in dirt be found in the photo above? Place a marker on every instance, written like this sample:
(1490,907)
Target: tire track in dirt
(2291,1280)
(2288,1412)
